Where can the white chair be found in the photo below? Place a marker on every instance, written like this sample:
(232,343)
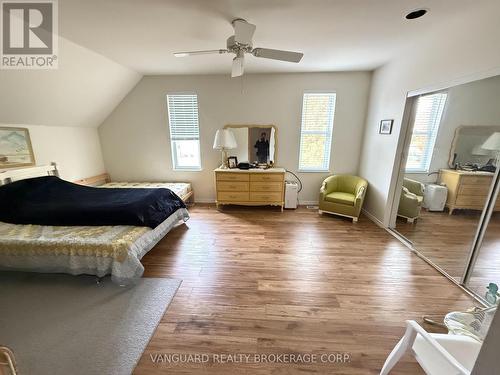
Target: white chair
(437,353)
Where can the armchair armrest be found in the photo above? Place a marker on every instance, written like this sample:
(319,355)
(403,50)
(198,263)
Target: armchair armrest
(413,329)
(407,195)
(329,184)
(360,194)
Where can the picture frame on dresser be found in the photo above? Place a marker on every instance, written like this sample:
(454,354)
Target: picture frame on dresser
(232,162)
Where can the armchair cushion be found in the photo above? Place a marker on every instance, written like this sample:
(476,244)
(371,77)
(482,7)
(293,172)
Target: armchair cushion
(342,198)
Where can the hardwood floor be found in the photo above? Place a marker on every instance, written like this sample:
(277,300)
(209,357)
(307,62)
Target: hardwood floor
(256,280)
(447,240)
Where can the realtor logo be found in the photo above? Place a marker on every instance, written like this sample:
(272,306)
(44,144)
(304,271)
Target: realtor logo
(29,35)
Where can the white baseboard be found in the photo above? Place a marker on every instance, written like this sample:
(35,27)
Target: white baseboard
(373,218)
(308,203)
(302,203)
(196,200)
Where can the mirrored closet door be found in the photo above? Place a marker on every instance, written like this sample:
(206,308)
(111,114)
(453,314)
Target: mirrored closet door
(483,274)
(451,153)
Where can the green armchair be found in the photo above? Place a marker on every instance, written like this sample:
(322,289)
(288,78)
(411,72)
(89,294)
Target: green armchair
(411,199)
(343,195)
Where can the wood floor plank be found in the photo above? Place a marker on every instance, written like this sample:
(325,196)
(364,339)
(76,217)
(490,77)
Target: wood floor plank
(257,281)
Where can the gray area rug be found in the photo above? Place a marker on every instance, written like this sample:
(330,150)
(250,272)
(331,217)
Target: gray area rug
(62,324)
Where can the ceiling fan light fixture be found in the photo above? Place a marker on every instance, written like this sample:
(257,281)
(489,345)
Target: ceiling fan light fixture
(241,43)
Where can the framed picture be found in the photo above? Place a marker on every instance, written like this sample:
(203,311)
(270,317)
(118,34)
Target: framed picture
(15,148)
(232,162)
(385,127)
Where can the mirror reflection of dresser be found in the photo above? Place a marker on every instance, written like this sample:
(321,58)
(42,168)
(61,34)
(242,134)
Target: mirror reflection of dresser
(466,189)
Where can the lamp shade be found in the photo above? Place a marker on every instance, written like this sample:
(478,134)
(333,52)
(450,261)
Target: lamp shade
(224,140)
(480,151)
(493,142)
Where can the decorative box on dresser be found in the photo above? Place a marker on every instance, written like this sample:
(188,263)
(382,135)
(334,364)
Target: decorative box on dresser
(252,187)
(466,190)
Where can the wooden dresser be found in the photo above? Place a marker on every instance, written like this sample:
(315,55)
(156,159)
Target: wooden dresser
(253,187)
(466,190)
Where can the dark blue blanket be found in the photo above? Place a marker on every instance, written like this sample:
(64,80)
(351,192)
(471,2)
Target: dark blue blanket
(52,201)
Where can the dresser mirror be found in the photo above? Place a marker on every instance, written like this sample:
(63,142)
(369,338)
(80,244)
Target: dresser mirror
(467,151)
(255,143)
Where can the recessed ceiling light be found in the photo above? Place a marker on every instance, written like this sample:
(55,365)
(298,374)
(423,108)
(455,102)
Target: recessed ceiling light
(417,13)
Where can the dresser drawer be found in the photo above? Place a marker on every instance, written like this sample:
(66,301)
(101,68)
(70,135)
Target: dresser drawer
(266,186)
(228,196)
(471,201)
(232,186)
(232,176)
(475,180)
(265,197)
(263,177)
(474,190)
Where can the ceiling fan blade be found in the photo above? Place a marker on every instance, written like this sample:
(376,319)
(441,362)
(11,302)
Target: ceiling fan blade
(194,53)
(277,54)
(243,31)
(238,66)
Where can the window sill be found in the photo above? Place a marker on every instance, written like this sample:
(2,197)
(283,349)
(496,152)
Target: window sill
(313,171)
(187,170)
(416,172)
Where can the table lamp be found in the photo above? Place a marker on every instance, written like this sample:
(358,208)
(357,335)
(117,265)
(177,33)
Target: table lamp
(224,140)
(493,144)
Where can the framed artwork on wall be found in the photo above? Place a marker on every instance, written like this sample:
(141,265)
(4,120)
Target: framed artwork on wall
(15,148)
(385,127)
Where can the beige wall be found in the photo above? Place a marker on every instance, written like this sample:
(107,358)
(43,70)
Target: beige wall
(76,151)
(458,55)
(135,138)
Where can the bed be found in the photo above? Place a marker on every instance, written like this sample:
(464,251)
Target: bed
(183,189)
(79,249)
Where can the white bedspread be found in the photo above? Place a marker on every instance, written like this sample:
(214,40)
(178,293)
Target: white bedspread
(115,250)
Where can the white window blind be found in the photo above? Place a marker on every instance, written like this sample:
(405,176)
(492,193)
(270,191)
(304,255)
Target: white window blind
(427,120)
(184,131)
(316,131)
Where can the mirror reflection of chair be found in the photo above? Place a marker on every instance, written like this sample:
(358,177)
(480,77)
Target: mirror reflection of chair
(411,199)
(343,195)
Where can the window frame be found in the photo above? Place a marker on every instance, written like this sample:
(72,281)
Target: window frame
(327,169)
(432,140)
(173,154)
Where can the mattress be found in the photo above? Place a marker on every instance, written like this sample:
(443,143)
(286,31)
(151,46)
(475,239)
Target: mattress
(94,250)
(179,188)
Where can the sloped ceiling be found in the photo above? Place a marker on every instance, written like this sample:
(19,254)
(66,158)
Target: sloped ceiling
(81,92)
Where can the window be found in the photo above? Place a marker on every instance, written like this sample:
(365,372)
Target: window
(316,131)
(184,131)
(427,120)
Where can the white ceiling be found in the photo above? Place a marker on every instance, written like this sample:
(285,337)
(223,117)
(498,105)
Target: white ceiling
(333,34)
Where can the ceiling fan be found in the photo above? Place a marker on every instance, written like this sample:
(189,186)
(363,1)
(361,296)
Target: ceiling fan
(241,43)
